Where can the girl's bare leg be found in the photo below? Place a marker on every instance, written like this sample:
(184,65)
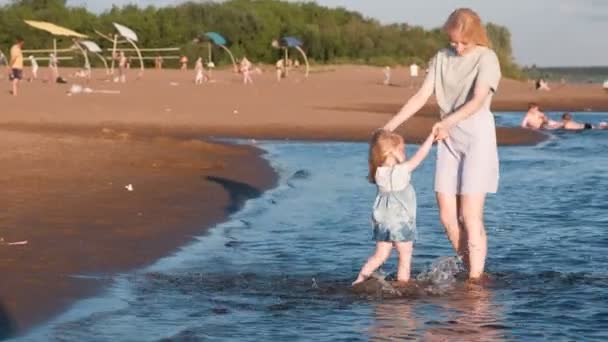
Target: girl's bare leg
(405,250)
(383,251)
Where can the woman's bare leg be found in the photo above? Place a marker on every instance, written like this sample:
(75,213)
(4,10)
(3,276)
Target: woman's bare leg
(472,213)
(449,212)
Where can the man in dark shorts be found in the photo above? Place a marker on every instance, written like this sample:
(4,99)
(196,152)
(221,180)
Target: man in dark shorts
(570,124)
(16,64)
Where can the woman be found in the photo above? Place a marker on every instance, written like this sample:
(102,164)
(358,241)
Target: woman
(464,78)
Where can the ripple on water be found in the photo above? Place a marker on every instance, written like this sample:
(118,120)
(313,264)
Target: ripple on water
(281,268)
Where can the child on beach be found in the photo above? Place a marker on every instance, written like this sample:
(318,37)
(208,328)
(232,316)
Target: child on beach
(394,210)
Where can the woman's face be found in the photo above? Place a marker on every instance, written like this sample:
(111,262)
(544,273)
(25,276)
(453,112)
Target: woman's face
(459,43)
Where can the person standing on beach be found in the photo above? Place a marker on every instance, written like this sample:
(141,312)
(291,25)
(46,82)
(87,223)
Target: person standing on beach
(16,64)
(245,67)
(54,67)
(387,76)
(463,78)
(158,62)
(34,64)
(184,63)
(280,66)
(122,67)
(199,71)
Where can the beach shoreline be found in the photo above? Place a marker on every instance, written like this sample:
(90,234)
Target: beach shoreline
(68,159)
(66,195)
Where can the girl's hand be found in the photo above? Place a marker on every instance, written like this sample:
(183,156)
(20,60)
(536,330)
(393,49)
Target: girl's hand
(440,131)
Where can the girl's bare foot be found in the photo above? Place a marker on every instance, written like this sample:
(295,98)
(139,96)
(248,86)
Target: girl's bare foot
(361,278)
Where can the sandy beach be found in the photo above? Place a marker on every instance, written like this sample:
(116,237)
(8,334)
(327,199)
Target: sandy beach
(67,160)
(65,195)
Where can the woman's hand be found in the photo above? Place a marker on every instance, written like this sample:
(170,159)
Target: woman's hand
(440,131)
(389,126)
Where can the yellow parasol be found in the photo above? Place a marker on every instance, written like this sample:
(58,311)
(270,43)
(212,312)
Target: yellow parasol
(54,29)
(57,30)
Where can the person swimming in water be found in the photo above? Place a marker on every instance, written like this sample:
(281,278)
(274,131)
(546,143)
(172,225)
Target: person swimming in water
(568,123)
(536,119)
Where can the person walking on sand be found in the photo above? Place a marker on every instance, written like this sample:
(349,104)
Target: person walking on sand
(199,70)
(245,67)
(16,64)
(387,76)
(34,67)
(122,67)
(184,63)
(53,67)
(464,78)
(394,210)
(280,66)
(158,62)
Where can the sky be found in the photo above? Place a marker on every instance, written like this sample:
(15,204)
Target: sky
(544,32)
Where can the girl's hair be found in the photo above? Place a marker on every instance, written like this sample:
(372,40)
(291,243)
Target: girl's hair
(469,24)
(380,146)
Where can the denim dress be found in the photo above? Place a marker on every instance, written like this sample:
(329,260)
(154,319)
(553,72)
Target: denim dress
(394,211)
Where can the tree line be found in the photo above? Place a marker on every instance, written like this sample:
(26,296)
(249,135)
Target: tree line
(329,35)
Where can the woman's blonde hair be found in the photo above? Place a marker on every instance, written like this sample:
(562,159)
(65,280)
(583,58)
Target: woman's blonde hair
(468,23)
(383,142)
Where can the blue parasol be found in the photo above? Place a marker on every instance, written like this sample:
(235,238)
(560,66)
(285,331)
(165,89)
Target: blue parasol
(291,41)
(216,38)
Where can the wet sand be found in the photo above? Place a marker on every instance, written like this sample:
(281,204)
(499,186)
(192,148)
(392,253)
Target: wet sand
(67,160)
(65,194)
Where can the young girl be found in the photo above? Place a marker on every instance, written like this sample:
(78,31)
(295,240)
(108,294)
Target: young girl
(394,211)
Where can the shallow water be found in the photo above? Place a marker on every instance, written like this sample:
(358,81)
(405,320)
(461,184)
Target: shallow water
(281,267)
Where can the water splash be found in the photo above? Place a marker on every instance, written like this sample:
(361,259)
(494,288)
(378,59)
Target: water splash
(441,276)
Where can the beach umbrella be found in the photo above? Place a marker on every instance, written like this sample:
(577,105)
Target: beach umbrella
(292,42)
(93,48)
(57,30)
(214,38)
(126,32)
(130,37)
(53,29)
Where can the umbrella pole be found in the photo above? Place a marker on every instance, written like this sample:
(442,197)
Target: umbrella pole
(210,58)
(305,60)
(285,62)
(114,53)
(55,54)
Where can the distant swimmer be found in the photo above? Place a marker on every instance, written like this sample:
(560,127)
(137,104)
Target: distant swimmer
(535,119)
(569,123)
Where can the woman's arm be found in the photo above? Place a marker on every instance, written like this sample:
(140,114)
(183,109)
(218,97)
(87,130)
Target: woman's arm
(412,106)
(480,94)
(486,84)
